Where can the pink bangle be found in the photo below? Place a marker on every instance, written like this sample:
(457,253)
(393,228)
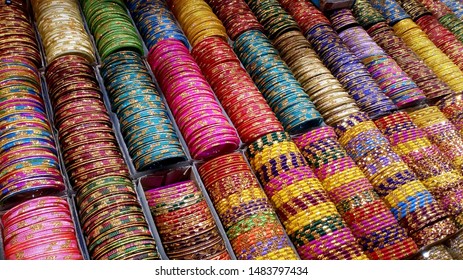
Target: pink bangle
(63,243)
(59,256)
(200,111)
(185,77)
(53,224)
(316,135)
(224,147)
(194,130)
(210,134)
(190,96)
(184,91)
(32,205)
(27,237)
(323,244)
(162,48)
(51,213)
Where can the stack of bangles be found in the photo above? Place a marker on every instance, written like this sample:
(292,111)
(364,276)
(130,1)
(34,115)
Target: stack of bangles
(456,246)
(197,20)
(437,8)
(155,22)
(446,17)
(376,26)
(110,214)
(414,8)
(349,71)
(390,9)
(369,218)
(392,80)
(111,27)
(452,108)
(199,116)
(438,252)
(62,29)
(455,6)
(416,39)
(273,17)
(442,38)
(454,24)
(187,228)
(441,132)
(40,229)
(244,104)
(274,79)
(444,68)
(252,225)
(144,121)
(328,95)
(311,220)
(235,16)
(424,158)
(29,165)
(410,202)
(17,26)
(239,96)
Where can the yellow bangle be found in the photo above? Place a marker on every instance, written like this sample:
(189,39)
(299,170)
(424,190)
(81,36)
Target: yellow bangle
(411,146)
(361,257)
(392,169)
(445,178)
(313,213)
(270,152)
(342,178)
(305,186)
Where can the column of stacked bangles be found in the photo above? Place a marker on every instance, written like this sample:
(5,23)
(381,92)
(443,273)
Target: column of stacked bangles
(140,109)
(185,223)
(438,34)
(205,128)
(111,217)
(251,224)
(392,80)
(367,215)
(426,161)
(32,228)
